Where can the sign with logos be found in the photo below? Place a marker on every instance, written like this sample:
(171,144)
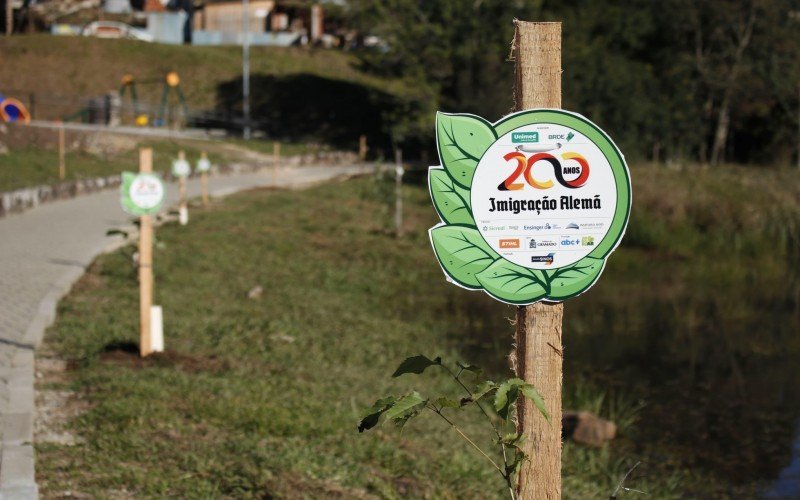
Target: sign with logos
(203,164)
(181,168)
(141,194)
(531,206)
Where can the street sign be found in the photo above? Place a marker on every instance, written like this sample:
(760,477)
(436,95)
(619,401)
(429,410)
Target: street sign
(531,206)
(141,194)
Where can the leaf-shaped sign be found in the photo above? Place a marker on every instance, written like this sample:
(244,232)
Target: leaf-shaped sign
(450,199)
(462,140)
(531,205)
(572,280)
(512,283)
(462,252)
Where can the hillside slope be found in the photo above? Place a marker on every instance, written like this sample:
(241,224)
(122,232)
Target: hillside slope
(296,92)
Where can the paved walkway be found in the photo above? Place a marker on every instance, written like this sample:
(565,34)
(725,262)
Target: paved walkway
(42,253)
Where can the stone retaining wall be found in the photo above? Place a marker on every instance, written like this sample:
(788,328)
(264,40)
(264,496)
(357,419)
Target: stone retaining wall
(23,199)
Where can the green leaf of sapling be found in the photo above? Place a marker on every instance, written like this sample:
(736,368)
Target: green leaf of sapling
(406,408)
(468,367)
(416,364)
(531,393)
(506,396)
(483,389)
(513,439)
(375,412)
(446,403)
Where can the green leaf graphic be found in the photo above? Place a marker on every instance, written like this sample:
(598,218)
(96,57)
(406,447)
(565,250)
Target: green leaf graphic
(512,283)
(451,200)
(462,140)
(463,253)
(572,280)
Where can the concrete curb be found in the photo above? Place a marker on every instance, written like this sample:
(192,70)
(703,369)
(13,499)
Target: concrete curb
(17,455)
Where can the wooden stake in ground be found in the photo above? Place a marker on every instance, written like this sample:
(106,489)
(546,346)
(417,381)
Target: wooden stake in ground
(204,178)
(398,191)
(62,167)
(145,263)
(362,148)
(9,17)
(538,353)
(183,210)
(276,160)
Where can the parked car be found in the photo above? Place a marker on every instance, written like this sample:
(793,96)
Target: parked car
(113,29)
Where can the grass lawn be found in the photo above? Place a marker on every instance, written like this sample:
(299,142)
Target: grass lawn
(261,397)
(32,166)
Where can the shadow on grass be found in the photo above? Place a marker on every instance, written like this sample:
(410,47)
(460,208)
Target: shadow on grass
(309,107)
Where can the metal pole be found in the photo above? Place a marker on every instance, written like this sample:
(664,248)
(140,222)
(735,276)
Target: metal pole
(246,66)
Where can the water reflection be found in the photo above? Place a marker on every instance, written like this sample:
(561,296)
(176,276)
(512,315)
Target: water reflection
(788,483)
(710,347)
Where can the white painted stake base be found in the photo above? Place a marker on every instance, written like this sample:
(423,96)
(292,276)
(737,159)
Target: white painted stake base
(183,216)
(156,329)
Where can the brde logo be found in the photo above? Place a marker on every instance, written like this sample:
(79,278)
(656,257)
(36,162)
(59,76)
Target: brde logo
(535,169)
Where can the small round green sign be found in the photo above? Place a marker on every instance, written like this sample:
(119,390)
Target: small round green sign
(141,194)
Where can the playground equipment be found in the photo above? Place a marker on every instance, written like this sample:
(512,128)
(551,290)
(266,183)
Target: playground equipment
(12,110)
(167,109)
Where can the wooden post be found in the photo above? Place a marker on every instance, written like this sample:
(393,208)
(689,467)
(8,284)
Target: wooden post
(204,180)
(362,148)
(62,167)
(145,263)
(538,353)
(276,159)
(398,191)
(9,17)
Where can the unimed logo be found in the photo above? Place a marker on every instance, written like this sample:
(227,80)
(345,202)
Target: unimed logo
(523,137)
(509,243)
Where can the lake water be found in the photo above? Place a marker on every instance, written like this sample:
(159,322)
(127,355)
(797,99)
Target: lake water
(708,346)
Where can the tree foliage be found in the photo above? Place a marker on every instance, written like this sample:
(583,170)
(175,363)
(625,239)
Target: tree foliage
(672,80)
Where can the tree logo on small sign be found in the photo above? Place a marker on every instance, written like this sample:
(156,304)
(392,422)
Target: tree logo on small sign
(531,206)
(141,194)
